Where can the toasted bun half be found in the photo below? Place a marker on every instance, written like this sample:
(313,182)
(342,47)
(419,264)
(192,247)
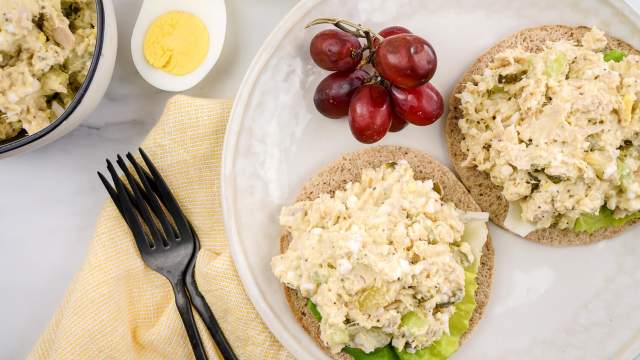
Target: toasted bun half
(348,169)
(487,194)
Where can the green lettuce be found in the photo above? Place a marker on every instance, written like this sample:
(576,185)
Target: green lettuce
(458,323)
(439,350)
(614,55)
(590,223)
(314,310)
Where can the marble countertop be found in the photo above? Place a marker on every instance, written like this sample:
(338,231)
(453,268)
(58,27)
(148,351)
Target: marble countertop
(52,196)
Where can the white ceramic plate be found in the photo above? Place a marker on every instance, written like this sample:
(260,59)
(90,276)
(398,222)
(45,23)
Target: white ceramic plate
(552,303)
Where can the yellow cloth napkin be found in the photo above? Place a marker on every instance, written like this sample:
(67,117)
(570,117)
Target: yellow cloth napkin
(116,307)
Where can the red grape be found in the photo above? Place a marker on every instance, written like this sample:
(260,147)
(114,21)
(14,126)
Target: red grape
(336,50)
(370,113)
(389,32)
(334,92)
(397,123)
(406,60)
(420,106)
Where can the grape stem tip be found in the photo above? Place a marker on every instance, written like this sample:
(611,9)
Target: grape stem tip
(348,26)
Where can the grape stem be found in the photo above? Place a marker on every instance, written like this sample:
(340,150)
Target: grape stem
(373,79)
(366,59)
(348,26)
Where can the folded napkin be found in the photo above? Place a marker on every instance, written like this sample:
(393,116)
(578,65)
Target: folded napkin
(116,307)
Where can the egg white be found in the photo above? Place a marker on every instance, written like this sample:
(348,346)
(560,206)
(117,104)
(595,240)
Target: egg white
(214,16)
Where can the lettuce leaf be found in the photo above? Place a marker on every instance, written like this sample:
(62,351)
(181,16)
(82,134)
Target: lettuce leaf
(458,323)
(590,223)
(614,55)
(314,310)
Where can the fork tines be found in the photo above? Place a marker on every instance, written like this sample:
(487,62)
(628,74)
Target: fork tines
(146,200)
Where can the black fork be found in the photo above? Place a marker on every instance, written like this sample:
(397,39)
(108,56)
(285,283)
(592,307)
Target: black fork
(169,253)
(170,249)
(153,189)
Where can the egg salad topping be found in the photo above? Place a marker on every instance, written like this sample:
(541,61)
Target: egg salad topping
(46,48)
(558,129)
(383,260)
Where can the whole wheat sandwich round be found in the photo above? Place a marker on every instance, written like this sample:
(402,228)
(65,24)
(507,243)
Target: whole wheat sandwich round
(543,129)
(385,255)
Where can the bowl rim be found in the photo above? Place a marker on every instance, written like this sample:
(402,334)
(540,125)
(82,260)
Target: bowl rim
(80,94)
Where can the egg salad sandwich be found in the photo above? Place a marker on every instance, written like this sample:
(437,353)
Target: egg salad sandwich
(543,130)
(385,255)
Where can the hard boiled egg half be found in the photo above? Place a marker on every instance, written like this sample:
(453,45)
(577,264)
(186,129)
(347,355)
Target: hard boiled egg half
(175,44)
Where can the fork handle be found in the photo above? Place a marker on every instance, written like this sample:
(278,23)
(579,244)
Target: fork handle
(200,303)
(184,308)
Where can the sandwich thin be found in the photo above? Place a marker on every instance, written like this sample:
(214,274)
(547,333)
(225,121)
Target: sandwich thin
(487,194)
(348,168)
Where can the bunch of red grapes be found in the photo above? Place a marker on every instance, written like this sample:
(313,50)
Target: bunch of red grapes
(381,85)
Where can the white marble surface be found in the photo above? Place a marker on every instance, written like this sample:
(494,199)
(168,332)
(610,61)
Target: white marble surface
(51,197)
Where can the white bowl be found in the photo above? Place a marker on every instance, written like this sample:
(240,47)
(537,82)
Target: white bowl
(89,94)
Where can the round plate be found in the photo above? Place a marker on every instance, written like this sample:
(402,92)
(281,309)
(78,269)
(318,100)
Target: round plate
(570,303)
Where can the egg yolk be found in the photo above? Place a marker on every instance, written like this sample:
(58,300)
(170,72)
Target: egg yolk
(176,42)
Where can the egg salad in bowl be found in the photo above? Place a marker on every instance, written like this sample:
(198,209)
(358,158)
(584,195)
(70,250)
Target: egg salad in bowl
(56,61)
(45,53)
